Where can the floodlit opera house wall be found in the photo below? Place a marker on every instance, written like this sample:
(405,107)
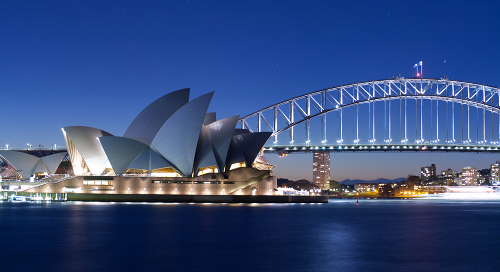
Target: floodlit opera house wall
(172,147)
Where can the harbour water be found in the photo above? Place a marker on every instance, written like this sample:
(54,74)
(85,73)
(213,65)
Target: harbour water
(342,235)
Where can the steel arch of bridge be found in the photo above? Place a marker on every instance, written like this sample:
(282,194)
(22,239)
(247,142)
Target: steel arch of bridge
(286,115)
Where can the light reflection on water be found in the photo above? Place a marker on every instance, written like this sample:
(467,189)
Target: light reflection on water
(342,235)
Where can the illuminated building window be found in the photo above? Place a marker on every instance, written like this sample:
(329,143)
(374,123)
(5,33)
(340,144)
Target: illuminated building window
(98,182)
(101,189)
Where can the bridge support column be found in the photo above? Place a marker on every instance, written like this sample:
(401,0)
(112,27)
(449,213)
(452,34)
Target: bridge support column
(323,128)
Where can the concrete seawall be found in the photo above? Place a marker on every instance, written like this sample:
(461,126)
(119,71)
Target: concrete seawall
(197,198)
(183,198)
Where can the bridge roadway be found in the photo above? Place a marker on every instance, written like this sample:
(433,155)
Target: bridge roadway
(286,149)
(306,148)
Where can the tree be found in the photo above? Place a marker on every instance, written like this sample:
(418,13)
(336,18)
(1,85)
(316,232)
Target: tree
(386,191)
(335,186)
(486,183)
(282,181)
(484,172)
(411,181)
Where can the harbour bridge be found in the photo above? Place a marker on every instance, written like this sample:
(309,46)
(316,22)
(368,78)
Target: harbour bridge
(399,114)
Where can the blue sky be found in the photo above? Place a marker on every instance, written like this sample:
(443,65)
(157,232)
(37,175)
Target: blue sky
(98,64)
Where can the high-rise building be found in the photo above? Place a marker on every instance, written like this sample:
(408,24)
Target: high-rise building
(321,169)
(469,176)
(428,172)
(494,173)
(449,176)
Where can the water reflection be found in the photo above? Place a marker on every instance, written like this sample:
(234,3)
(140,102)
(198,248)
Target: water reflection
(373,235)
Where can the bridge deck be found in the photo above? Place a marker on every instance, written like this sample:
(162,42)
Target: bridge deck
(40,152)
(285,149)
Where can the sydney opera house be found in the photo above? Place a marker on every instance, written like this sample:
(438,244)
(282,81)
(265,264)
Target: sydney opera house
(172,147)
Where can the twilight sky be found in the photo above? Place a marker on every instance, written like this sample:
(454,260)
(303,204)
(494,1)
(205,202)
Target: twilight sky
(99,63)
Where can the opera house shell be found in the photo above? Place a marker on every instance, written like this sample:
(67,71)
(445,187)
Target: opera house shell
(171,143)
(22,165)
(172,134)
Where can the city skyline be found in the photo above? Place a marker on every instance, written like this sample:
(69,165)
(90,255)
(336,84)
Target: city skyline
(86,63)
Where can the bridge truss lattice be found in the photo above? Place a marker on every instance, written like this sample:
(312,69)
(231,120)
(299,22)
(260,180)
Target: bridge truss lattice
(401,114)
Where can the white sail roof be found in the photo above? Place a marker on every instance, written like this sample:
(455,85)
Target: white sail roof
(52,161)
(216,139)
(147,124)
(121,152)
(246,147)
(86,142)
(24,164)
(177,139)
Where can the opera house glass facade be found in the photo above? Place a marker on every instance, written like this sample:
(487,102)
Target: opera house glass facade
(172,147)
